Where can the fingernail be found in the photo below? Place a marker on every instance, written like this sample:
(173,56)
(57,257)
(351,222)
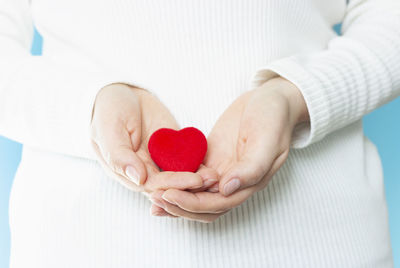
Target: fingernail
(213,190)
(209,182)
(132,174)
(166,199)
(231,186)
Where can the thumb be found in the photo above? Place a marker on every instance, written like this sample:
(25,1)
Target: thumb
(117,152)
(117,143)
(251,168)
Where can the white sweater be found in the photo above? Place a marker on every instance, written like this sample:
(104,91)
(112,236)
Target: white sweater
(324,208)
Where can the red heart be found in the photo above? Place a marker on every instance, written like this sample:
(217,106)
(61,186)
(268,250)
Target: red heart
(182,150)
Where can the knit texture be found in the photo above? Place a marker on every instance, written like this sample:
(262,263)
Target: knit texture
(324,208)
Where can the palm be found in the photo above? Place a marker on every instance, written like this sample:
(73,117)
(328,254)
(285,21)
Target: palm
(247,145)
(225,140)
(246,132)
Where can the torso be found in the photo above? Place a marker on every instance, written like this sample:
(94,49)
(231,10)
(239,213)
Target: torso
(324,208)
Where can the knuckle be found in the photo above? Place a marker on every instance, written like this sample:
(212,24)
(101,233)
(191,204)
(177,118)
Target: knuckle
(163,177)
(196,204)
(147,189)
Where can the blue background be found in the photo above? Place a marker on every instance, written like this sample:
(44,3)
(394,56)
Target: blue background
(382,127)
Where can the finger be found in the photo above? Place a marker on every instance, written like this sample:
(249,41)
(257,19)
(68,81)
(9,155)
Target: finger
(121,179)
(178,180)
(214,188)
(247,172)
(115,143)
(157,205)
(200,217)
(209,175)
(158,211)
(178,212)
(257,160)
(206,202)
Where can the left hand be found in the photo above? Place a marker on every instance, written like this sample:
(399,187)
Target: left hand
(247,146)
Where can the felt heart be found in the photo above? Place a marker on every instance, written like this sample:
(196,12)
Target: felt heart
(182,150)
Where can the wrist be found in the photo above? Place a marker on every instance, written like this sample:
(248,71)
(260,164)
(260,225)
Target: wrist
(297,105)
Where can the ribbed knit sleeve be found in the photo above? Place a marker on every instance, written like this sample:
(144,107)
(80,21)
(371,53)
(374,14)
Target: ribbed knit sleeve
(358,71)
(42,103)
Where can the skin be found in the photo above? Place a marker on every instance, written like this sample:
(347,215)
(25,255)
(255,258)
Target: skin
(248,144)
(123,120)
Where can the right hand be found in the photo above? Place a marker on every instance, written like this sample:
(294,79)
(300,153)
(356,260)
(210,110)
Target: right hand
(124,118)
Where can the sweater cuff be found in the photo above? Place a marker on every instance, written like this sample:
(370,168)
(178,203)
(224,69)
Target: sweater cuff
(307,133)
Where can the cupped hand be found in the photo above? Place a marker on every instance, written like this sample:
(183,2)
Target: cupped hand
(247,146)
(124,117)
